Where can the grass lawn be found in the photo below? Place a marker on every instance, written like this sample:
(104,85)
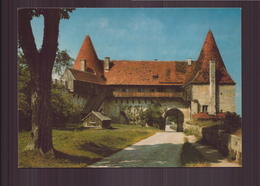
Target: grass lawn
(80,147)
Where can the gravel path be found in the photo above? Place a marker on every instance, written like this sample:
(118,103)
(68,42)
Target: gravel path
(160,150)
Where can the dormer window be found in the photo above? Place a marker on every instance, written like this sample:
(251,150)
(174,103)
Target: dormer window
(155,77)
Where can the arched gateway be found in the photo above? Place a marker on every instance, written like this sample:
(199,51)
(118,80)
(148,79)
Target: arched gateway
(175,118)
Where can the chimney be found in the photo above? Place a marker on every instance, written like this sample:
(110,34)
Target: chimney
(83,65)
(212,86)
(106,64)
(189,61)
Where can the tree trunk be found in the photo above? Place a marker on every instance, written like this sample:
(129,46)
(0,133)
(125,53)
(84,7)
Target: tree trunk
(40,65)
(41,135)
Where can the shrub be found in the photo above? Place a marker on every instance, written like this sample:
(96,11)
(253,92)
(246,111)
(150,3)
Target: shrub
(65,106)
(153,116)
(232,122)
(24,92)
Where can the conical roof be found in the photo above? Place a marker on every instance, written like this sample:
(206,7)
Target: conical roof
(87,52)
(209,52)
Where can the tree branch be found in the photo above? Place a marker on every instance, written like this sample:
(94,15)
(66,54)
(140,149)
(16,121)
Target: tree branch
(26,38)
(50,36)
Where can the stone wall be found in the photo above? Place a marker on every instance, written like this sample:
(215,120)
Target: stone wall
(201,93)
(227,98)
(235,147)
(226,143)
(132,107)
(69,79)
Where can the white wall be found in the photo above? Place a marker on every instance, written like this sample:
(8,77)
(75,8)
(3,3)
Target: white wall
(227,94)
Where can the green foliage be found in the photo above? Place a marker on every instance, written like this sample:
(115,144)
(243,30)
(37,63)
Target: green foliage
(205,123)
(153,116)
(80,147)
(232,122)
(134,114)
(62,61)
(24,93)
(65,106)
(64,12)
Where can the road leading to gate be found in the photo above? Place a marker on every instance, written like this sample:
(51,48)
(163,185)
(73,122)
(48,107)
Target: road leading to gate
(160,150)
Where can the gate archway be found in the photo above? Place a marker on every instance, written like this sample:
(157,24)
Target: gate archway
(174,117)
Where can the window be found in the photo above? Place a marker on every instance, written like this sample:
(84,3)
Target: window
(116,100)
(205,108)
(152,90)
(127,102)
(133,101)
(155,77)
(140,90)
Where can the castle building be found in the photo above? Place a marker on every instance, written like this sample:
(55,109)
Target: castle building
(123,88)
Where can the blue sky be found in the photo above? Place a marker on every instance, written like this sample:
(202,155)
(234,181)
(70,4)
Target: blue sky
(153,33)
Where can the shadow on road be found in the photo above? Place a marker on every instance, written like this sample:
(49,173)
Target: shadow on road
(158,155)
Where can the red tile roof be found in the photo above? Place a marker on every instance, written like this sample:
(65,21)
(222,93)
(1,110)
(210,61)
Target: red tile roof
(125,72)
(209,52)
(87,52)
(86,76)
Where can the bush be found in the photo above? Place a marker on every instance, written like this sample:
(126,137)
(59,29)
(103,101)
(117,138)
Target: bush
(153,116)
(24,92)
(232,122)
(65,106)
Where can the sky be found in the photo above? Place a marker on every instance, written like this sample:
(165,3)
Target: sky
(153,33)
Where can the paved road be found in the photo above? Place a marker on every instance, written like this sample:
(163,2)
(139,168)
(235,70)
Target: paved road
(160,150)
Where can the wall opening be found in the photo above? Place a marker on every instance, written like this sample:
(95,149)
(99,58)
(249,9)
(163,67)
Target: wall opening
(174,118)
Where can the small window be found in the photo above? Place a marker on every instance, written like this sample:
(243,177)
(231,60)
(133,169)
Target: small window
(133,101)
(127,102)
(205,108)
(116,100)
(152,90)
(140,90)
(155,77)
(139,101)
(121,101)
(123,90)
